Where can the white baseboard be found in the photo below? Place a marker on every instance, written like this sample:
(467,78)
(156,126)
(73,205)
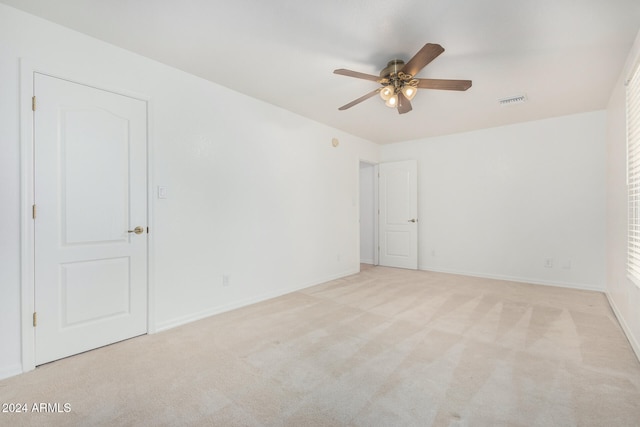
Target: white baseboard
(10,371)
(532,281)
(366,261)
(169,324)
(625,327)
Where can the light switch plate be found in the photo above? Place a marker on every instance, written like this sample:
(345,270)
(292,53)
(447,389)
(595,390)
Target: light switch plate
(162,192)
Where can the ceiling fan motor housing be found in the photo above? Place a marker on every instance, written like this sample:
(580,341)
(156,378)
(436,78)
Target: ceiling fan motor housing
(393,67)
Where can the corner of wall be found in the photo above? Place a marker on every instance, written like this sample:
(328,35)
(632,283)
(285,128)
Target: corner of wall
(633,341)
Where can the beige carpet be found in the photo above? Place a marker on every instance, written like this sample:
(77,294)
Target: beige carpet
(385,347)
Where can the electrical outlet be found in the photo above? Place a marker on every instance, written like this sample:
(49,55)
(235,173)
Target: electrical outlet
(225,280)
(548,262)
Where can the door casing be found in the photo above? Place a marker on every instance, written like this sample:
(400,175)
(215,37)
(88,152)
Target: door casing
(377,207)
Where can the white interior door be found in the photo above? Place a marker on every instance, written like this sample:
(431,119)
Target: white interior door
(398,187)
(90,188)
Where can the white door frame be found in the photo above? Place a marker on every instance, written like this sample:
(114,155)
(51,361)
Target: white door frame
(27,251)
(376,244)
(376,214)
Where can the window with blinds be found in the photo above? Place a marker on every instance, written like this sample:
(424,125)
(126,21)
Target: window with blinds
(633,175)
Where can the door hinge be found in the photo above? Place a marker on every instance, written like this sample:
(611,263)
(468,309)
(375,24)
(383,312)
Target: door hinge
(33,211)
(33,103)
(35,319)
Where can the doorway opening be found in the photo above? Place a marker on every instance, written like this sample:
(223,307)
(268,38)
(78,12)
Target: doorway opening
(368,213)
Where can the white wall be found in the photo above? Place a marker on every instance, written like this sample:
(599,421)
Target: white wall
(623,294)
(259,194)
(498,202)
(368,211)
(255,192)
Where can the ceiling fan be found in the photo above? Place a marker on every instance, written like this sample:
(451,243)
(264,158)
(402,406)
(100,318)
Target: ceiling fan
(399,85)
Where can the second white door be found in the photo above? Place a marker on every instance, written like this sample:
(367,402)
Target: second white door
(398,198)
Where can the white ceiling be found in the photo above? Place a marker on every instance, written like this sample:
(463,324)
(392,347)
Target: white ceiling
(565,55)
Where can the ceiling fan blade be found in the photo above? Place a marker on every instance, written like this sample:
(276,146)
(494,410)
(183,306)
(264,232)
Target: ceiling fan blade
(443,84)
(359,100)
(428,53)
(404,105)
(356,74)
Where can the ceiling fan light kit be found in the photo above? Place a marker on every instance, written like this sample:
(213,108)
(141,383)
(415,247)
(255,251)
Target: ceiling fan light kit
(409,92)
(387,92)
(392,101)
(399,86)
(394,81)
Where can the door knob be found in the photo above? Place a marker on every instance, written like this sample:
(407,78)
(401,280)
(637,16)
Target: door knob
(137,230)
(413,220)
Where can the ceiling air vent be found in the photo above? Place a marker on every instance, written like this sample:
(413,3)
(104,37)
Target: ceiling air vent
(512,100)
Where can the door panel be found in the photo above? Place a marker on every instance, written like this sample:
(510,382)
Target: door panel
(398,243)
(90,189)
(94,146)
(92,290)
(399,214)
